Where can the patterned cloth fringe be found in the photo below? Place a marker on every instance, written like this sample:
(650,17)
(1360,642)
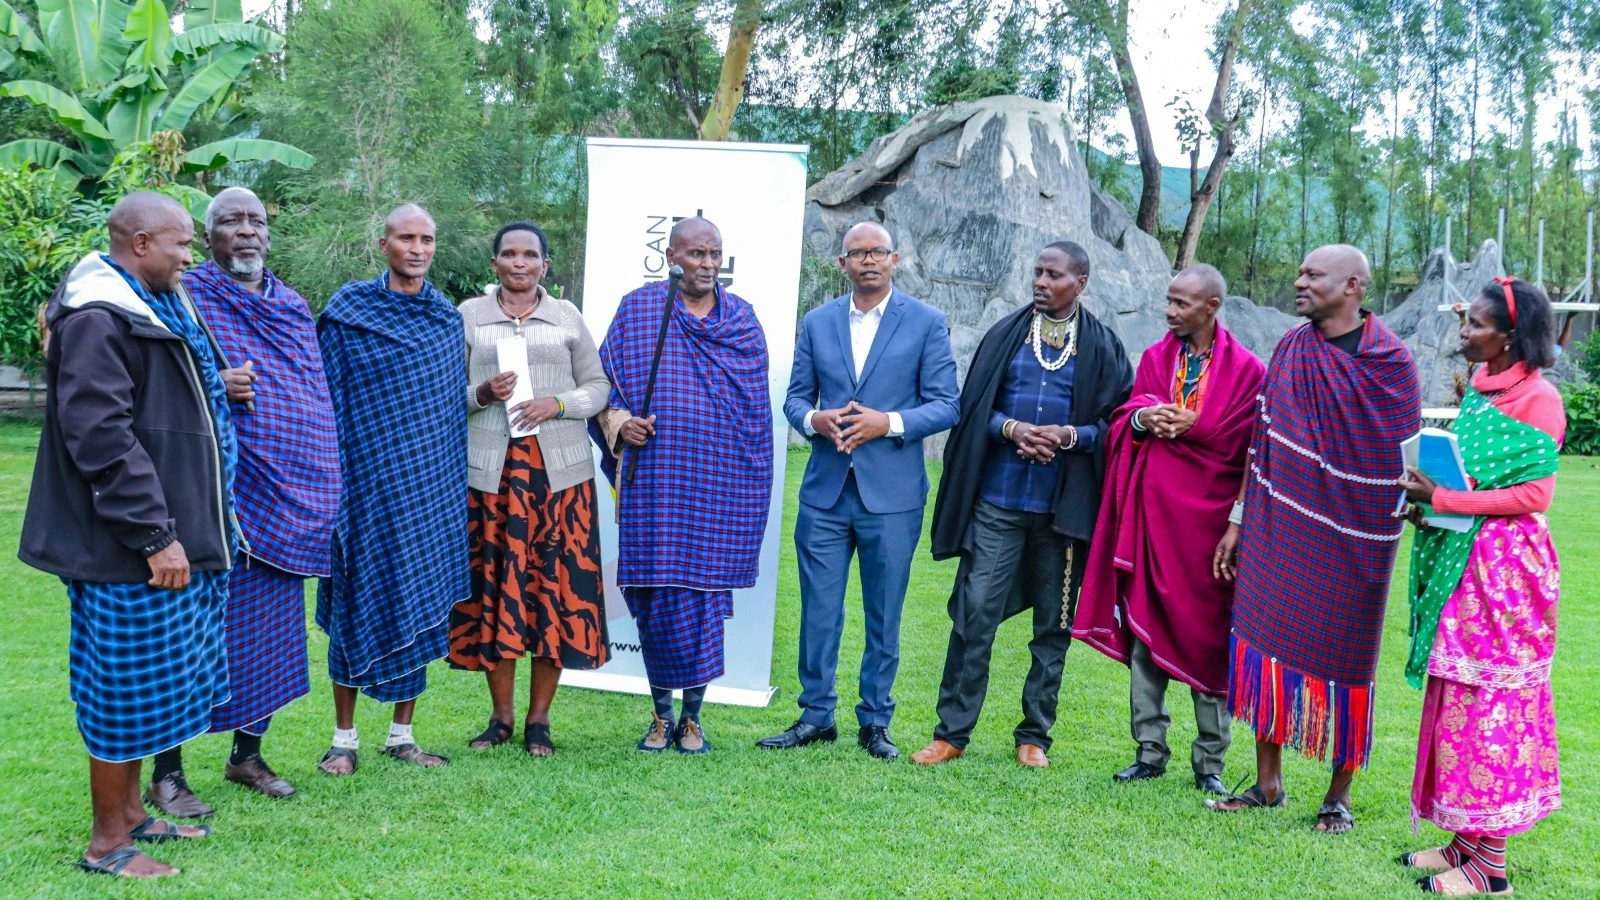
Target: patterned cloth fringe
(1290,709)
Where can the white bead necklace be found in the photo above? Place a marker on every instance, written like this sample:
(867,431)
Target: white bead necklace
(1067,352)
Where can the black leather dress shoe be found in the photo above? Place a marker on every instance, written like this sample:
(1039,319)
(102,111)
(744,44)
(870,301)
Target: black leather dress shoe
(1211,784)
(875,740)
(1139,772)
(798,735)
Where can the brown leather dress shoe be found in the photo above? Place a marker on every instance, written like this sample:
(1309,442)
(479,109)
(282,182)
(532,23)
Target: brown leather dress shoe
(1032,756)
(936,752)
(255,774)
(172,796)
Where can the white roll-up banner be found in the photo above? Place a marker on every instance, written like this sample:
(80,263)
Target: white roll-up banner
(754,194)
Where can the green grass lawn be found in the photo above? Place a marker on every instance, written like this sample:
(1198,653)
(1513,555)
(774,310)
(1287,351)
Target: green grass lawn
(602,818)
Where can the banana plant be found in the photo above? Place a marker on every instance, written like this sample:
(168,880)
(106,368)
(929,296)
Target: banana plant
(120,74)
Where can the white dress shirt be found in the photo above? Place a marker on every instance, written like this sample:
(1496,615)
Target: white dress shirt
(863,330)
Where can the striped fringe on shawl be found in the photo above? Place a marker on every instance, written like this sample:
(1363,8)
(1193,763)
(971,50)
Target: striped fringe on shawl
(1288,708)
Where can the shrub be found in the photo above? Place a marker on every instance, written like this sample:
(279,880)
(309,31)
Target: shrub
(1583,418)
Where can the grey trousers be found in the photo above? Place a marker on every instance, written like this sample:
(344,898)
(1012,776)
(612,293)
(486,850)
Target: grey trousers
(1147,696)
(1007,546)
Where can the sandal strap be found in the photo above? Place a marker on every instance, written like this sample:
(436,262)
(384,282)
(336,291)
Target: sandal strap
(112,863)
(494,735)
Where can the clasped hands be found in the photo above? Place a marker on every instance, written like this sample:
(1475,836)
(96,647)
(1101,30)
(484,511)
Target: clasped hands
(525,415)
(1040,443)
(1167,420)
(850,426)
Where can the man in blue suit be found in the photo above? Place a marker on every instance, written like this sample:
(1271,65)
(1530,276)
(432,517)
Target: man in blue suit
(873,376)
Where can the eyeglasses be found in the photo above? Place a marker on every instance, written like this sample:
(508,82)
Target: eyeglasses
(878,254)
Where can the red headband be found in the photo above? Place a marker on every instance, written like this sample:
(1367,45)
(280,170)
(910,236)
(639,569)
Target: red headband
(1511,300)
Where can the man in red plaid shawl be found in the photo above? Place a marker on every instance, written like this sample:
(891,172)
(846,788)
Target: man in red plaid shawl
(287,491)
(1315,534)
(693,475)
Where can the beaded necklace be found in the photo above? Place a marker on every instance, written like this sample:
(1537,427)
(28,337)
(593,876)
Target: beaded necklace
(1069,325)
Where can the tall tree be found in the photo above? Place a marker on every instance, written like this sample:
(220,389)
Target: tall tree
(735,64)
(1224,129)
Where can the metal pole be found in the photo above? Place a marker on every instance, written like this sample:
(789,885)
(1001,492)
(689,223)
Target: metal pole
(1500,234)
(1538,277)
(1588,261)
(1447,221)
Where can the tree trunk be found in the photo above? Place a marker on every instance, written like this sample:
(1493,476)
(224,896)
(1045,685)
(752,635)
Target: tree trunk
(1149,216)
(1261,174)
(1388,225)
(735,65)
(1224,129)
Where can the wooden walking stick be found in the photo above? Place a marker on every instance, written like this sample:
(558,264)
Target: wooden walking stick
(674,275)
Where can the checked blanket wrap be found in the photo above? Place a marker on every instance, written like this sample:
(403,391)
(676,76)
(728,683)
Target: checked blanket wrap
(397,370)
(1319,539)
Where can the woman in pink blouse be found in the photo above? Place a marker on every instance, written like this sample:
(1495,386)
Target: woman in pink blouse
(1483,604)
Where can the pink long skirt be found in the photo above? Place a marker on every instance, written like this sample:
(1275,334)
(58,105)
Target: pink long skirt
(1487,759)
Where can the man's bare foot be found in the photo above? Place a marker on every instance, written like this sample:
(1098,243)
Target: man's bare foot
(1334,817)
(124,862)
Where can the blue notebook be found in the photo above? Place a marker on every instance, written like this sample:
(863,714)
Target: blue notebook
(1437,453)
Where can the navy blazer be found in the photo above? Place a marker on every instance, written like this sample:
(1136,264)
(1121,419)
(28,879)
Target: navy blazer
(910,370)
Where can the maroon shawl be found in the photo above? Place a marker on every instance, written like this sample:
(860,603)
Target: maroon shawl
(1166,507)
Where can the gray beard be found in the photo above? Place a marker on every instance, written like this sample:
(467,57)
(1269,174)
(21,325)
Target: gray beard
(245,271)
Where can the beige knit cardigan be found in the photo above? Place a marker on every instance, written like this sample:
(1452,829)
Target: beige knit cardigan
(562,363)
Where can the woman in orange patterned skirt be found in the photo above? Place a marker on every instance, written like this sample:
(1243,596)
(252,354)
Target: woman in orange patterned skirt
(537,590)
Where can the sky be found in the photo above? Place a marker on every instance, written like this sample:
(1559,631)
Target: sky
(1170,39)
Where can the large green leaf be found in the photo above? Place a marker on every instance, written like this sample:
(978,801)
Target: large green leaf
(15,27)
(62,106)
(149,31)
(212,12)
(132,118)
(71,32)
(217,154)
(113,21)
(200,41)
(45,155)
(218,74)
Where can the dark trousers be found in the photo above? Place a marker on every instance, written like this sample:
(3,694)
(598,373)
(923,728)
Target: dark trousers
(824,542)
(1007,546)
(1147,695)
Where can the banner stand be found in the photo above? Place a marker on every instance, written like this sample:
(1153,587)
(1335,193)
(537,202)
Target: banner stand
(754,194)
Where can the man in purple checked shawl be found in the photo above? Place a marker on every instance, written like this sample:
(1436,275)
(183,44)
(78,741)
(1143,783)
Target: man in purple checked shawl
(286,492)
(1315,534)
(691,518)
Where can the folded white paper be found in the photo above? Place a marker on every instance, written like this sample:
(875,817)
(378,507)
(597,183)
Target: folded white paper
(513,356)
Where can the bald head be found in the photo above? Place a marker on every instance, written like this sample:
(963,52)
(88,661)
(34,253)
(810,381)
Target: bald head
(868,233)
(694,226)
(145,212)
(1332,282)
(404,215)
(150,238)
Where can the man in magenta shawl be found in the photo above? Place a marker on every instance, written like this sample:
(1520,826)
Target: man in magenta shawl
(1176,454)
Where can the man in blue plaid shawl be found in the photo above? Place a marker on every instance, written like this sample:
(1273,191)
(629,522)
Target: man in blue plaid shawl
(397,370)
(287,490)
(1315,534)
(131,507)
(692,515)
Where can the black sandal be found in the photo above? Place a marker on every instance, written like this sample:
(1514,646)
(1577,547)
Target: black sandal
(496,734)
(412,754)
(1253,798)
(537,735)
(338,753)
(142,832)
(114,862)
